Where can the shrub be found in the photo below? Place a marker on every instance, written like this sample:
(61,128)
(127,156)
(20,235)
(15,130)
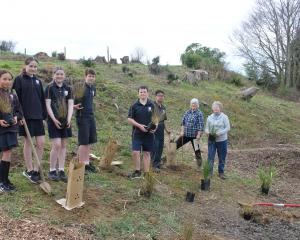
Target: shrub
(88,63)
(236,80)
(7,46)
(54,54)
(61,56)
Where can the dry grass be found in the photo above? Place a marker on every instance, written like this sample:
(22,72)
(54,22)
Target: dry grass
(5,105)
(109,153)
(78,90)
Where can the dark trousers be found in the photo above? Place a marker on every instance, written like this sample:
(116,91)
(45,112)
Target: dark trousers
(157,152)
(183,140)
(221,149)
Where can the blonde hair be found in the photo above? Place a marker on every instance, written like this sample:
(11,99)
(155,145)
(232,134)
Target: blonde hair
(217,103)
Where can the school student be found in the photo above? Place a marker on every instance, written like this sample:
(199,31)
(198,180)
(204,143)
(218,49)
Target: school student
(30,92)
(85,119)
(59,103)
(10,114)
(139,116)
(159,134)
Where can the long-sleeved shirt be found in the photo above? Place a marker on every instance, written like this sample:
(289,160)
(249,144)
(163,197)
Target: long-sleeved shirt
(15,110)
(220,124)
(31,96)
(193,122)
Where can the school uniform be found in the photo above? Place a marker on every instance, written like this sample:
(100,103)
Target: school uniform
(85,119)
(32,100)
(55,94)
(8,135)
(141,114)
(159,137)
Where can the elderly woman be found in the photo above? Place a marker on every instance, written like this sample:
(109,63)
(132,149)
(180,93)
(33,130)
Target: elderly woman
(217,127)
(192,127)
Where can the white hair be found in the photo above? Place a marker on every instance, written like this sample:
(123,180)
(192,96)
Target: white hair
(196,101)
(217,104)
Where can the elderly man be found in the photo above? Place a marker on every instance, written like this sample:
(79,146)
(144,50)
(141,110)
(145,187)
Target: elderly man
(192,127)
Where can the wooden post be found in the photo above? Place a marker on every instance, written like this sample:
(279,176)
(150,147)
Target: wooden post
(25,52)
(65,52)
(108,54)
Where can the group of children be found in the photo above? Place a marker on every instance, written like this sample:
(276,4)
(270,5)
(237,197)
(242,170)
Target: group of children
(28,103)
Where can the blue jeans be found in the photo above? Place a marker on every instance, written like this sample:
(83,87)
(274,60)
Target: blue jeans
(157,152)
(221,149)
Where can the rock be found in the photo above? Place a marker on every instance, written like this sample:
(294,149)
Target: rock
(195,76)
(125,60)
(41,55)
(100,59)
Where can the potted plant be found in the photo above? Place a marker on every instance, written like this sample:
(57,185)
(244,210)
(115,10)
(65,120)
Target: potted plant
(155,119)
(62,112)
(205,182)
(6,109)
(266,176)
(78,91)
(212,134)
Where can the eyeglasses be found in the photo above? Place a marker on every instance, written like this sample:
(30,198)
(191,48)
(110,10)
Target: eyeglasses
(160,95)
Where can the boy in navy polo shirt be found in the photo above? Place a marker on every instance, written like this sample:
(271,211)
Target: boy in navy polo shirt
(139,116)
(87,133)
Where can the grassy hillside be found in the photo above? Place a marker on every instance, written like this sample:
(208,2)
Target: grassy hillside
(264,121)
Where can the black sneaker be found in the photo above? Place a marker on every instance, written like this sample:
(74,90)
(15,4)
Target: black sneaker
(52,175)
(90,168)
(31,176)
(62,176)
(10,185)
(5,188)
(136,174)
(36,176)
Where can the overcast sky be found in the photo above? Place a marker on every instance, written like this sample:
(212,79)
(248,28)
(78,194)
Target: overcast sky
(86,28)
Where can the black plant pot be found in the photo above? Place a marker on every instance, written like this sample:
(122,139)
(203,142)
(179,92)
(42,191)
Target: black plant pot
(190,196)
(150,126)
(265,190)
(211,138)
(247,216)
(205,184)
(8,118)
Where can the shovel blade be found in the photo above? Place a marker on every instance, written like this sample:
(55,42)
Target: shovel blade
(46,187)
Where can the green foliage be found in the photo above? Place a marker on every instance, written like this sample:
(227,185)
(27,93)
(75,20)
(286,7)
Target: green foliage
(88,63)
(156,60)
(236,80)
(172,77)
(196,55)
(266,175)
(54,54)
(125,69)
(252,71)
(7,46)
(206,170)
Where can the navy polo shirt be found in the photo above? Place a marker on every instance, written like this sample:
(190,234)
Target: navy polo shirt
(31,96)
(55,93)
(161,125)
(87,101)
(141,114)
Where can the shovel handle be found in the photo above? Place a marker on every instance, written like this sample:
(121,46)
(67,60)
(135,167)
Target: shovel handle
(33,149)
